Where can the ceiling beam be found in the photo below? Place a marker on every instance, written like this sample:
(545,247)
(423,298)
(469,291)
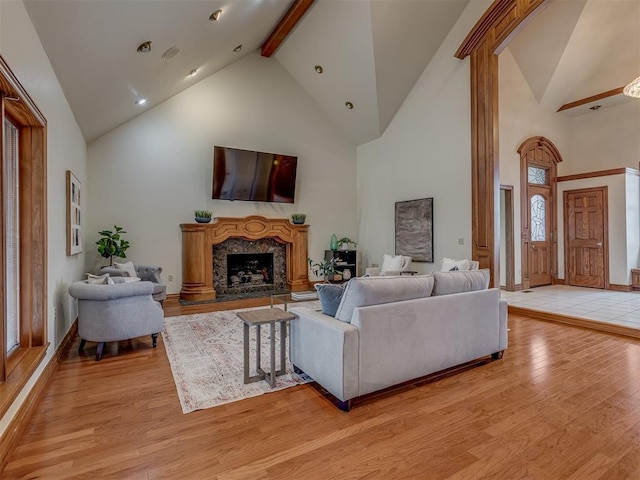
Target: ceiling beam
(593,98)
(287,24)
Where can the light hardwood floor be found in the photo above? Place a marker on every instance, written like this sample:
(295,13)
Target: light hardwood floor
(563,403)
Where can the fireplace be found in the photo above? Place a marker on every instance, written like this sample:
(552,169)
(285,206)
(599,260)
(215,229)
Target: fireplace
(246,266)
(249,270)
(205,274)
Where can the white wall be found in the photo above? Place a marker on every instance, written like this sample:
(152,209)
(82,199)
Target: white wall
(522,117)
(150,174)
(604,139)
(623,231)
(425,152)
(66,150)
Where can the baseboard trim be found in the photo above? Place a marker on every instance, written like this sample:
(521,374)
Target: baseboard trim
(576,321)
(20,420)
(558,281)
(620,288)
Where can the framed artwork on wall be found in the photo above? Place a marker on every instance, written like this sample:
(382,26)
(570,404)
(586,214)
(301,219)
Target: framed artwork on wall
(414,229)
(74,214)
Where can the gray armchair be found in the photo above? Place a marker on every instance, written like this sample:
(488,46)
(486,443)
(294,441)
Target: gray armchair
(110,313)
(146,273)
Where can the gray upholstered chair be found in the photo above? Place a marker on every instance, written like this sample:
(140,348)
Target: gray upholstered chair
(391,265)
(146,273)
(110,313)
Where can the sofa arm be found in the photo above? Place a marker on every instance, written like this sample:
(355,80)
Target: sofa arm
(87,291)
(327,350)
(504,338)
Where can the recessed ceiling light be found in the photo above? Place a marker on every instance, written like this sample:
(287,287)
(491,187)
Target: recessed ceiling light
(193,72)
(319,69)
(238,48)
(171,52)
(349,105)
(595,107)
(215,15)
(141,101)
(144,47)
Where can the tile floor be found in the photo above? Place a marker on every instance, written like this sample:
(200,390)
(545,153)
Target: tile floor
(621,308)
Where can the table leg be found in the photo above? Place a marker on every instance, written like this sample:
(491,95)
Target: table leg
(283,349)
(273,355)
(258,367)
(246,353)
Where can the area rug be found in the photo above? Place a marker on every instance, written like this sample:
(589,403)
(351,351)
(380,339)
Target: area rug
(205,351)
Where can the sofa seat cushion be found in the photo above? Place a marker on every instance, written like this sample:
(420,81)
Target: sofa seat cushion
(329,296)
(460,281)
(364,291)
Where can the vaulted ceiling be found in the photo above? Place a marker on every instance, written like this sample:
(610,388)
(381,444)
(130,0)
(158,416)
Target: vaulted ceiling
(371,51)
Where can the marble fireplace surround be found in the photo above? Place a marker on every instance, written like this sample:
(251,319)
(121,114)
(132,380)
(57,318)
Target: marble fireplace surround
(198,240)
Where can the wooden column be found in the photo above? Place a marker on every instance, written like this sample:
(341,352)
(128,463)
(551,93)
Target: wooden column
(499,24)
(197,251)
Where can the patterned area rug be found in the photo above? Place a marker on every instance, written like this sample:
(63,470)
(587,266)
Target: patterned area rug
(205,351)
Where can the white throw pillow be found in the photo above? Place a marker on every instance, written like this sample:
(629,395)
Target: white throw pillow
(449,264)
(99,279)
(391,263)
(128,268)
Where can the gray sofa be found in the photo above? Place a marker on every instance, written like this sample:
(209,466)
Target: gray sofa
(389,330)
(110,313)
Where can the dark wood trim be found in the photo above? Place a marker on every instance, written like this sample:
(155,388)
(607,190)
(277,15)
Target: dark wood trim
(508,244)
(600,173)
(593,98)
(558,281)
(576,321)
(285,26)
(620,288)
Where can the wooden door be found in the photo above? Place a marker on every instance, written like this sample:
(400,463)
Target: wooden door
(540,236)
(585,216)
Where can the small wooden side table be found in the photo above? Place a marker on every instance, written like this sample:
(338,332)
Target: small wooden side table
(258,318)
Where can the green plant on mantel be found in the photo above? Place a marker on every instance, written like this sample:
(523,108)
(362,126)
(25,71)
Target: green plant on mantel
(202,214)
(112,244)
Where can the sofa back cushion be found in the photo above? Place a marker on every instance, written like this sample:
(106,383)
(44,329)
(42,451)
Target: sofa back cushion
(460,281)
(364,291)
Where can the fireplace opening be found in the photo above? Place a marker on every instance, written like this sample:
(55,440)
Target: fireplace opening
(250,270)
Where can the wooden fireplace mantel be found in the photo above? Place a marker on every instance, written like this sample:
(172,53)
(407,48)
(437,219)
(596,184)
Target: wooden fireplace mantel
(197,250)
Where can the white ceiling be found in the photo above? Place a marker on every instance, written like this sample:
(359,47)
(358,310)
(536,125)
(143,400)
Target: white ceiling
(372,51)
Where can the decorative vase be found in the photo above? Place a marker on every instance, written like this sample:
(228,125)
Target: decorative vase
(203,219)
(346,275)
(333,245)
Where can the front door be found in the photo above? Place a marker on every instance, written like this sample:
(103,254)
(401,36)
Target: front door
(540,241)
(585,219)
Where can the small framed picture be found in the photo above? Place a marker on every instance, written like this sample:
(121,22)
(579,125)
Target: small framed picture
(74,214)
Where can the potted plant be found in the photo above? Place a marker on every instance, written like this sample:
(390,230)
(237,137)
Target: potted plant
(325,268)
(203,216)
(298,218)
(112,244)
(345,242)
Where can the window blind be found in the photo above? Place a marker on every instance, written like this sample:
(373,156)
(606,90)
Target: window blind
(11,235)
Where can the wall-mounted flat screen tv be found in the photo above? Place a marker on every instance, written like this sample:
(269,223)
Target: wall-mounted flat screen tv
(256,176)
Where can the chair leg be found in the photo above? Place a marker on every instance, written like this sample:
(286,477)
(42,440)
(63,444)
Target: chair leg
(83,342)
(154,338)
(99,351)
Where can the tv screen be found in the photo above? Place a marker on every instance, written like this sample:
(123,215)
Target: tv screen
(257,176)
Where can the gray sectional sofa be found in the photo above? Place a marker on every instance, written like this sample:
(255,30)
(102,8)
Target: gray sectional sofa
(389,330)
